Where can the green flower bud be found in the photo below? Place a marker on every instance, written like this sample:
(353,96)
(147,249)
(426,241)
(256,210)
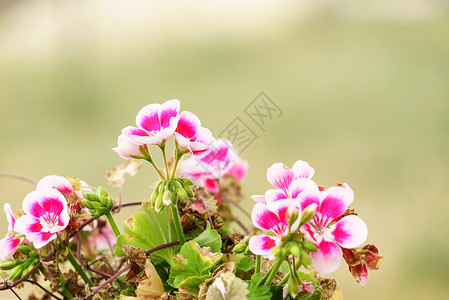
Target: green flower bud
(182,194)
(186,181)
(305,259)
(292,215)
(188,191)
(15,272)
(27,269)
(309,246)
(308,213)
(90,196)
(104,201)
(87,204)
(8,264)
(293,286)
(102,192)
(239,248)
(247,251)
(96,204)
(154,197)
(24,249)
(167,197)
(159,205)
(276,252)
(110,204)
(295,250)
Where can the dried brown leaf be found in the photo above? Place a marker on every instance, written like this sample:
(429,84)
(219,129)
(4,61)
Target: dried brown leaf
(51,273)
(328,287)
(136,255)
(116,175)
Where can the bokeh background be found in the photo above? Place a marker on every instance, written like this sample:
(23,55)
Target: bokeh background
(363,86)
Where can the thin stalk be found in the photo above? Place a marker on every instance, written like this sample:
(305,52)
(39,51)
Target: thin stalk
(66,293)
(258,263)
(162,146)
(272,272)
(115,276)
(156,168)
(177,159)
(15,294)
(113,224)
(78,268)
(284,280)
(178,227)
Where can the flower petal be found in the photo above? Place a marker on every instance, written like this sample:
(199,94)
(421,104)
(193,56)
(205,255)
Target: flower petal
(262,244)
(333,202)
(328,257)
(168,110)
(188,124)
(60,183)
(38,202)
(258,198)
(148,118)
(263,218)
(350,232)
(303,170)
(280,176)
(308,197)
(300,185)
(8,246)
(127,147)
(272,196)
(9,216)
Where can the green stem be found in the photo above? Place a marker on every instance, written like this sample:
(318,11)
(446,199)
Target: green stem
(258,263)
(162,146)
(284,280)
(78,268)
(66,293)
(156,168)
(272,272)
(178,226)
(113,224)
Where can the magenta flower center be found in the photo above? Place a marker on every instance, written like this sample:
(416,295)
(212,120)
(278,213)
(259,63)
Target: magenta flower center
(49,219)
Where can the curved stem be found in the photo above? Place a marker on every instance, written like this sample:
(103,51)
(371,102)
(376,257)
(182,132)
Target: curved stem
(78,268)
(156,168)
(115,276)
(113,224)
(162,146)
(258,263)
(177,221)
(43,289)
(20,177)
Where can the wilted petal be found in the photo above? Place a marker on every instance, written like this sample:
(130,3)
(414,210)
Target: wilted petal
(168,110)
(303,170)
(360,273)
(350,232)
(263,218)
(300,185)
(328,257)
(258,198)
(148,118)
(262,244)
(333,202)
(280,176)
(9,216)
(8,246)
(60,183)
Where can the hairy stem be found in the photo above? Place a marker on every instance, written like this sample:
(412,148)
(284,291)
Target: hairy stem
(113,224)
(258,263)
(177,221)
(272,272)
(78,268)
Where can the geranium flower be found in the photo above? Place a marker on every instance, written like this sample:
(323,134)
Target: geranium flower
(273,219)
(191,136)
(126,145)
(327,230)
(59,183)
(289,182)
(46,214)
(10,242)
(156,123)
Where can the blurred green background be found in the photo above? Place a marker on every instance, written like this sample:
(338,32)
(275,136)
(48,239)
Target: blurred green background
(364,89)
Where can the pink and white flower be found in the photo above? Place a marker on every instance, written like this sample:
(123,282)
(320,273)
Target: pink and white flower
(289,182)
(155,122)
(126,145)
(273,219)
(10,242)
(190,136)
(59,183)
(327,230)
(46,214)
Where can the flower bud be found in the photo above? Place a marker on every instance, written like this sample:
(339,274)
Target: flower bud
(104,201)
(90,196)
(96,204)
(239,248)
(8,264)
(154,197)
(188,191)
(15,272)
(295,250)
(186,181)
(308,213)
(182,194)
(292,215)
(27,269)
(159,205)
(247,251)
(305,259)
(110,204)
(293,286)
(167,197)
(311,247)
(87,204)
(24,249)
(102,192)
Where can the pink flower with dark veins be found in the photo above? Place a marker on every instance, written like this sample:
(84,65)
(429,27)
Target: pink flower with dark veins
(156,123)
(327,230)
(273,219)
(59,183)
(190,136)
(46,214)
(289,182)
(10,242)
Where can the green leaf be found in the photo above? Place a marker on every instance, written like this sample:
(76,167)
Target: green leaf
(256,291)
(192,266)
(147,230)
(209,238)
(245,264)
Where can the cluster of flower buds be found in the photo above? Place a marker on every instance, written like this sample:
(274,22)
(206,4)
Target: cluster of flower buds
(169,191)
(242,247)
(99,203)
(20,267)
